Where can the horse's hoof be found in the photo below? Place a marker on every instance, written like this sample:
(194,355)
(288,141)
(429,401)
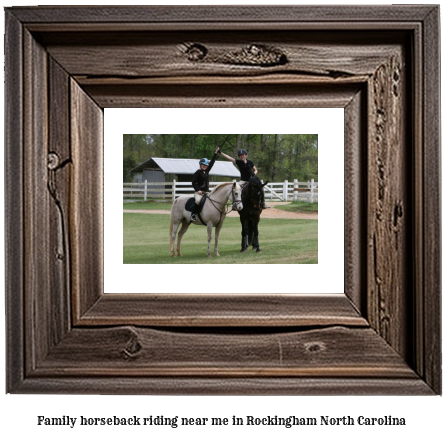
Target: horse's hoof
(242,250)
(217,254)
(172,255)
(209,255)
(258,250)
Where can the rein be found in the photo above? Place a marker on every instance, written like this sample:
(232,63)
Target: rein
(213,202)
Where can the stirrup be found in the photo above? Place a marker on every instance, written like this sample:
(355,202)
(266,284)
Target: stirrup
(193,217)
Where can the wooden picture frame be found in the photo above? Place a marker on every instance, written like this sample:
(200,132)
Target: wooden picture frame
(65,64)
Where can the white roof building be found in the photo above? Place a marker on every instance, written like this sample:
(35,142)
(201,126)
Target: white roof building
(184,166)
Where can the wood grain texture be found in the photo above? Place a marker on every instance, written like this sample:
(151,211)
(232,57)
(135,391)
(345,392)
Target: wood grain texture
(38,305)
(431,331)
(223,14)
(388,204)
(86,199)
(169,54)
(418,357)
(288,386)
(226,96)
(203,310)
(14,238)
(129,351)
(59,166)
(355,195)
(385,340)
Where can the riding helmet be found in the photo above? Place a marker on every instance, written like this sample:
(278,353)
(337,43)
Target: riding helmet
(204,161)
(242,151)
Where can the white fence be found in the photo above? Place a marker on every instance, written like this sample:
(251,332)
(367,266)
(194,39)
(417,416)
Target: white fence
(292,190)
(281,191)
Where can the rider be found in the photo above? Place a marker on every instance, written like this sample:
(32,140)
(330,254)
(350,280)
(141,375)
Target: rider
(247,170)
(200,182)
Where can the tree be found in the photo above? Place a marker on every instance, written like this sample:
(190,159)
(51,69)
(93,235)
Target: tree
(278,157)
(128,164)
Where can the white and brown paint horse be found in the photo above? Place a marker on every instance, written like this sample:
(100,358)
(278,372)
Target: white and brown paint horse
(213,214)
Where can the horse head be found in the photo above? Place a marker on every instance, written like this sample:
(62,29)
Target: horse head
(253,191)
(237,204)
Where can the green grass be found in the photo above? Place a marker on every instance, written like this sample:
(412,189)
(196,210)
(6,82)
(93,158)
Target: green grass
(147,205)
(146,241)
(299,207)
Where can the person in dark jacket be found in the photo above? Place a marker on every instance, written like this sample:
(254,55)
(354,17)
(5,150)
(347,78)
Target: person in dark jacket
(200,182)
(247,170)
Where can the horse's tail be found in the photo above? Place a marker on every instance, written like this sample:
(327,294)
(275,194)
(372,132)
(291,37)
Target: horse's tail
(171,224)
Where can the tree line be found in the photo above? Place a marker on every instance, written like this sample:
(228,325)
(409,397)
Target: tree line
(278,157)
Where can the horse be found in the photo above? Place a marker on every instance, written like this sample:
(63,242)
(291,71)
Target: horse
(250,214)
(212,214)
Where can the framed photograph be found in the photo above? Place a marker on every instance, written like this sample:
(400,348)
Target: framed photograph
(162,173)
(65,65)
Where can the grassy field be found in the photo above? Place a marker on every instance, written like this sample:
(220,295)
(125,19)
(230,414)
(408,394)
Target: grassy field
(147,205)
(295,206)
(299,207)
(146,241)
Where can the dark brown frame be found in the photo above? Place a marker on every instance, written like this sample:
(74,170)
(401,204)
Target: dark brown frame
(64,65)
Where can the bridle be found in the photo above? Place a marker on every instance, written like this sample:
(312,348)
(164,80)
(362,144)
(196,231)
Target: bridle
(234,202)
(226,211)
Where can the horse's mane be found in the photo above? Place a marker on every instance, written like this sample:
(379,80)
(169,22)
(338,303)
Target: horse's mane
(253,182)
(221,185)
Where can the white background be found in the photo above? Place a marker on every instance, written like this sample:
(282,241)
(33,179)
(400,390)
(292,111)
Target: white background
(18,413)
(328,123)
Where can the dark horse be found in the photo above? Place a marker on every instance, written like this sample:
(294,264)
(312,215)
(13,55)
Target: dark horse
(250,214)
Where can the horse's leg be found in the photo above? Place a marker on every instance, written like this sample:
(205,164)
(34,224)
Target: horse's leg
(217,232)
(254,234)
(251,232)
(244,235)
(173,234)
(256,244)
(183,229)
(209,228)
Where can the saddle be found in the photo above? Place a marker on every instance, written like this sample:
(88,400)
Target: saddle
(190,205)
